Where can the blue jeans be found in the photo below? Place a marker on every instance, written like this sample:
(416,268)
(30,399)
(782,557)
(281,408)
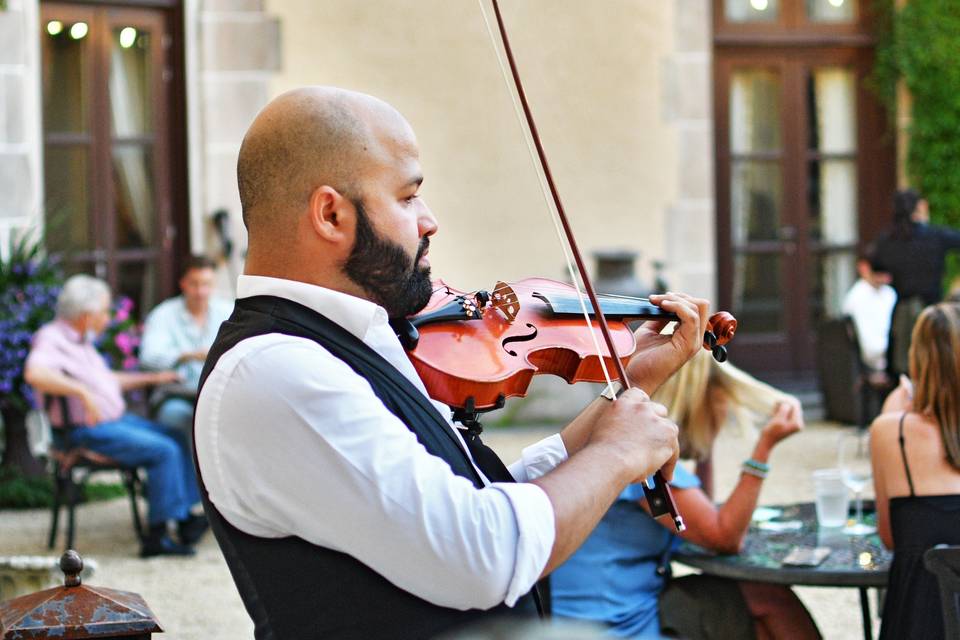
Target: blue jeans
(162,450)
(177,413)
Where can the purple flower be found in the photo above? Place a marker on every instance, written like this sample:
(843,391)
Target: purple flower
(126,304)
(122,315)
(129,363)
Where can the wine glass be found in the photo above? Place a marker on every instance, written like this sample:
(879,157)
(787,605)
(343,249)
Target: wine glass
(853,460)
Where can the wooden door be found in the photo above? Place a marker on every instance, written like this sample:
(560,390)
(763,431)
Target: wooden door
(802,155)
(109,145)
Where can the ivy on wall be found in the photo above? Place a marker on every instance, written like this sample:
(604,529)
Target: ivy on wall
(920,44)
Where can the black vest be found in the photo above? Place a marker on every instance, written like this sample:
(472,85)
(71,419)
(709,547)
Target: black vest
(296,590)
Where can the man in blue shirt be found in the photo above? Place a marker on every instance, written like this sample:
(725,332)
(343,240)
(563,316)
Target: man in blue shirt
(178,333)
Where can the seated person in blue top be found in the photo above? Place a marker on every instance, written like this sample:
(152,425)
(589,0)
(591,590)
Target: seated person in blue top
(619,575)
(179,331)
(915,454)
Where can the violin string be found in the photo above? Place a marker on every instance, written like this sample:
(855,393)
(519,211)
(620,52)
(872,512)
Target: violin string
(554,216)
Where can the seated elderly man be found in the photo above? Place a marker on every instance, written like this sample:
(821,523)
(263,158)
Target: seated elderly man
(178,333)
(63,361)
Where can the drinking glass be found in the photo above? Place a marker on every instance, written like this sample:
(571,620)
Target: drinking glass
(853,460)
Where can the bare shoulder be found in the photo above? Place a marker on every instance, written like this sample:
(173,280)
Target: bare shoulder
(885,428)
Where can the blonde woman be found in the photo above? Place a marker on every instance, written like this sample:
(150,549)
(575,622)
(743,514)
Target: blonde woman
(915,451)
(618,576)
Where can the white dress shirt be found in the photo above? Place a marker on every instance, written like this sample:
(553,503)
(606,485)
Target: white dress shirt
(871,309)
(291,441)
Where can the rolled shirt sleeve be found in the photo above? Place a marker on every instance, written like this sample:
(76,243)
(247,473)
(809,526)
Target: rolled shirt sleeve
(535,535)
(312,452)
(539,458)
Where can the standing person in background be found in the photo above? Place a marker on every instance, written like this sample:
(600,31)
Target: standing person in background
(178,333)
(915,453)
(619,575)
(870,302)
(914,253)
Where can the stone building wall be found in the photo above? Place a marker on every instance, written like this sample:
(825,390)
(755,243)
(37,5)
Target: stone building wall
(233,51)
(688,105)
(20,163)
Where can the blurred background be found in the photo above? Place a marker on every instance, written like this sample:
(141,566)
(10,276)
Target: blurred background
(742,145)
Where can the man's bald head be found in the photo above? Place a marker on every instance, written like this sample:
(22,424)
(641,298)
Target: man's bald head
(304,139)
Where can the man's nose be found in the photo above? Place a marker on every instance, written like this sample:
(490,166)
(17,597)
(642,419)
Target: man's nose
(427,222)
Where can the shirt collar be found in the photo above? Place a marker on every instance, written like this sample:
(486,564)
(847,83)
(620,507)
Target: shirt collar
(182,310)
(354,314)
(69,332)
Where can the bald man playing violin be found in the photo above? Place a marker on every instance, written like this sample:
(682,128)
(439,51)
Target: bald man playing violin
(346,502)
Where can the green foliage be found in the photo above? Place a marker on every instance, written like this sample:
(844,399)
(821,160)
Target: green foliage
(919,44)
(20,492)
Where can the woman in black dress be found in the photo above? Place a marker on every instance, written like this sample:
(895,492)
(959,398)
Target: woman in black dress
(915,451)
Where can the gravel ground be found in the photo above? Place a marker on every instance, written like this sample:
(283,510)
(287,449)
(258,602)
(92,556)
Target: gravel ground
(195,598)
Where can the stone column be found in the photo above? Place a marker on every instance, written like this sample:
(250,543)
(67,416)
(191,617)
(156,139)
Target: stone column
(234,49)
(20,137)
(691,221)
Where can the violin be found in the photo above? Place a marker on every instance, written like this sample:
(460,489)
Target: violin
(473,350)
(658,495)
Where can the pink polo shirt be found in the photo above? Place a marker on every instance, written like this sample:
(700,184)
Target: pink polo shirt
(60,347)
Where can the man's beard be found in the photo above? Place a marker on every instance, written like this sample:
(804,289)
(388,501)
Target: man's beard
(385,272)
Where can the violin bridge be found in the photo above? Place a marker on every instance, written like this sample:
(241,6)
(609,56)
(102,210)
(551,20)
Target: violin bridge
(505,301)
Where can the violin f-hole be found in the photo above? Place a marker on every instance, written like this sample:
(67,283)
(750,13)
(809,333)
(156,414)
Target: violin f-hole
(521,338)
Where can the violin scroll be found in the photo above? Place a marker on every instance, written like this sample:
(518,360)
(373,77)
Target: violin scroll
(721,327)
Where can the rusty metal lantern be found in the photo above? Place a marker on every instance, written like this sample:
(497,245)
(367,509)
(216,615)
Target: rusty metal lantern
(77,611)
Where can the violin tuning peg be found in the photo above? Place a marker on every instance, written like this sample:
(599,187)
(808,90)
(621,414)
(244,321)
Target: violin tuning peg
(719,353)
(711,339)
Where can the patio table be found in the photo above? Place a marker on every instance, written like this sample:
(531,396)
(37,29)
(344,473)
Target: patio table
(854,561)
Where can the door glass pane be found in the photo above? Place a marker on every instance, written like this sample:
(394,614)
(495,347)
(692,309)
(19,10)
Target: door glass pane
(833,202)
(751,10)
(754,111)
(66,198)
(130,82)
(134,216)
(833,273)
(66,76)
(833,110)
(831,10)
(758,292)
(755,199)
(831,101)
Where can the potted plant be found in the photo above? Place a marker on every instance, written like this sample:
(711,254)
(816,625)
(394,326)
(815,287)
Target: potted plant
(30,281)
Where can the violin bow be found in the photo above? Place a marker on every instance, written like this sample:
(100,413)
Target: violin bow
(659,497)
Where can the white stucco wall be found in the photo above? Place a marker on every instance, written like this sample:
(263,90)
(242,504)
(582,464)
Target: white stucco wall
(620,90)
(613,90)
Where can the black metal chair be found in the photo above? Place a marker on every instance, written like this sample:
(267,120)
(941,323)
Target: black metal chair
(852,392)
(944,562)
(72,467)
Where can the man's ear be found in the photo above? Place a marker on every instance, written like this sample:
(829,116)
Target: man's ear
(328,212)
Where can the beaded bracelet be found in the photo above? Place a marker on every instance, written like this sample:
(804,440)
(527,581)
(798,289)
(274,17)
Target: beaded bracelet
(755,468)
